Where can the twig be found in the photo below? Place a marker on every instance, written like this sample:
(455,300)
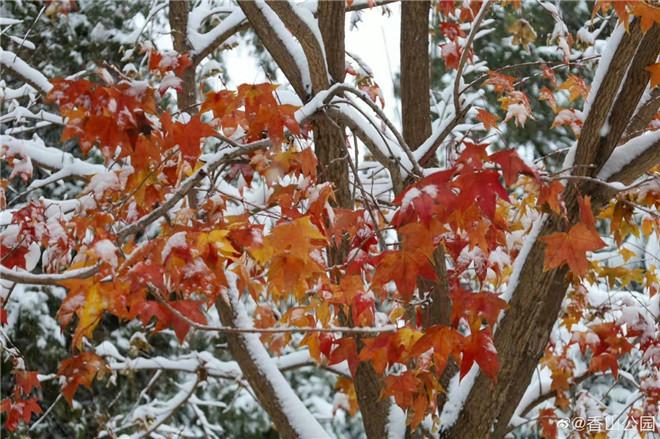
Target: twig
(48,279)
(50,409)
(466,50)
(229,330)
(187,185)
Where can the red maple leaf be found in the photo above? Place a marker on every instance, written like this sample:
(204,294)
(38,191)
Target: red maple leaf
(345,350)
(81,369)
(19,410)
(480,349)
(481,187)
(187,135)
(512,165)
(27,380)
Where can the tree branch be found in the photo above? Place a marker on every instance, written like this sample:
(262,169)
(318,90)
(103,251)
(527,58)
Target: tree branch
(276,40)
(25,277)
(19,68)
(310,41)
(288,413)
(187,185)
(178,16)
(599,107)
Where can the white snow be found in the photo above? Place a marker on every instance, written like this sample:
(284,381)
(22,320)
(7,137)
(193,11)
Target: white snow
(519,263)
(396,422)
(201,41)
(4,21)
(107,252)
(292,46)
(22,42)
(627,152)
(299,417)
(457,393)
(11,61)
(412,193)
(178,240)
(603,66)
(49,157)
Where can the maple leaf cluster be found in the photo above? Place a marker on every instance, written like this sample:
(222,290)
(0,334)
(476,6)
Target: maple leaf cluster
(162,254)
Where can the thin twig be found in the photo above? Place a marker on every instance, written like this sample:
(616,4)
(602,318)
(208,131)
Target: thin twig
(230,330)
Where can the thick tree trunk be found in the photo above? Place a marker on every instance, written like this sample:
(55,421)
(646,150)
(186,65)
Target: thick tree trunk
(329,138)
(415,73)
(524,330)
(291,418)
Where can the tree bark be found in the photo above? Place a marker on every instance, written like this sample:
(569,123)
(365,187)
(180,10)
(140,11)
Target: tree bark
(179,26)
(264,386)
(415,73)
(523,332)
(333,167)
(329,138)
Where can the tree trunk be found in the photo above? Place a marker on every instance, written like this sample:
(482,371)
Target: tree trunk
(329,138)
(179,25)
(415,72)
(523,332)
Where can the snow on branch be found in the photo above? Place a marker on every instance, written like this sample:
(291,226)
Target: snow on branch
(49,157)
(25,277)
(12,63)
(204,43)
(626,154)
(275,394)
(304,27)
(213,367)
(282,46)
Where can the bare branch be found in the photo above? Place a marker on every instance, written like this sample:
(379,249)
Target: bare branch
(464,56)
(233,330)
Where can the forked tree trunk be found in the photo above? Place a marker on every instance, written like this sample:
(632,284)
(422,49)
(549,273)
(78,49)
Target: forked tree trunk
(525,329)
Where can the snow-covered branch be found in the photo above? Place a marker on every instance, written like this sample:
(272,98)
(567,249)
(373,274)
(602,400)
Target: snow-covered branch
(205,43)
(282,46)
(49,157)
(626,156)
(15,65)
(25,277)
(303,26)
(291,417)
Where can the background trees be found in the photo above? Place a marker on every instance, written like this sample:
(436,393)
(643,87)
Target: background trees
(207,248)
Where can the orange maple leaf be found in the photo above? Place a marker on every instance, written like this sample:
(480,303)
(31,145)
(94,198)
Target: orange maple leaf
(502,83)
(81,369)
(571,248)
(489,120)
(576,87)
(550,194)
(655,73)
